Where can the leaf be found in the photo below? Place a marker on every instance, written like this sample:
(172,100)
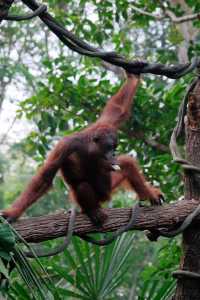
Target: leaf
(99,270)
(7,238)
(64,273)
(75,295)
(5,255)
(3,269)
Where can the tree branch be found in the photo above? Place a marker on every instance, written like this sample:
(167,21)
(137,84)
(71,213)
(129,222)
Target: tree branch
(182,19)
(150,142)
(38,229)
(167,13)
(146,13)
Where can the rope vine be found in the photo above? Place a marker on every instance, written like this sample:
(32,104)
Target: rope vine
(83,48)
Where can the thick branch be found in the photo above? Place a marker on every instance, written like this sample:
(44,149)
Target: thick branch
(48,227)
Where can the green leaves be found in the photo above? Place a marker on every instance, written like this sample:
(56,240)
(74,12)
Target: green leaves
(157,282)
(7,244)
(11,254)
(174,35)
(7,238)
(3,269)
(95,271)
(157,289)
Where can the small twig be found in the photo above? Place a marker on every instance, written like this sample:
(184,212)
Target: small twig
(146,13)
(8,130)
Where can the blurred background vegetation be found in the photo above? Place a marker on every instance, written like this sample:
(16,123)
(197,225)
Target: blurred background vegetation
(47,91)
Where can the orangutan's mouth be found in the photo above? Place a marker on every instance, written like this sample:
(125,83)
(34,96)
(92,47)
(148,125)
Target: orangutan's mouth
(115,167)
(113,162)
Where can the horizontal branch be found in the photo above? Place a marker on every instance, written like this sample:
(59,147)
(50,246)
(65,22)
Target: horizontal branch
(152,142)
(167,13)
(182,19)
(146,13)
(38,229)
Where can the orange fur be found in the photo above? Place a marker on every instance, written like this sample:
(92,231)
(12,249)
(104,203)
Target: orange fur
(85,160)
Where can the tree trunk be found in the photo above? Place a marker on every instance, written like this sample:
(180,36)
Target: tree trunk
(189,288)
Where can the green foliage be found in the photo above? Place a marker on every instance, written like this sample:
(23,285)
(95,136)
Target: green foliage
(174,35)
(95,271)
(7,244)
(157,282)
(11,255)
(7,241)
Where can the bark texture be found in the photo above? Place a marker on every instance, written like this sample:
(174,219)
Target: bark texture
(189,289)
(43,228)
